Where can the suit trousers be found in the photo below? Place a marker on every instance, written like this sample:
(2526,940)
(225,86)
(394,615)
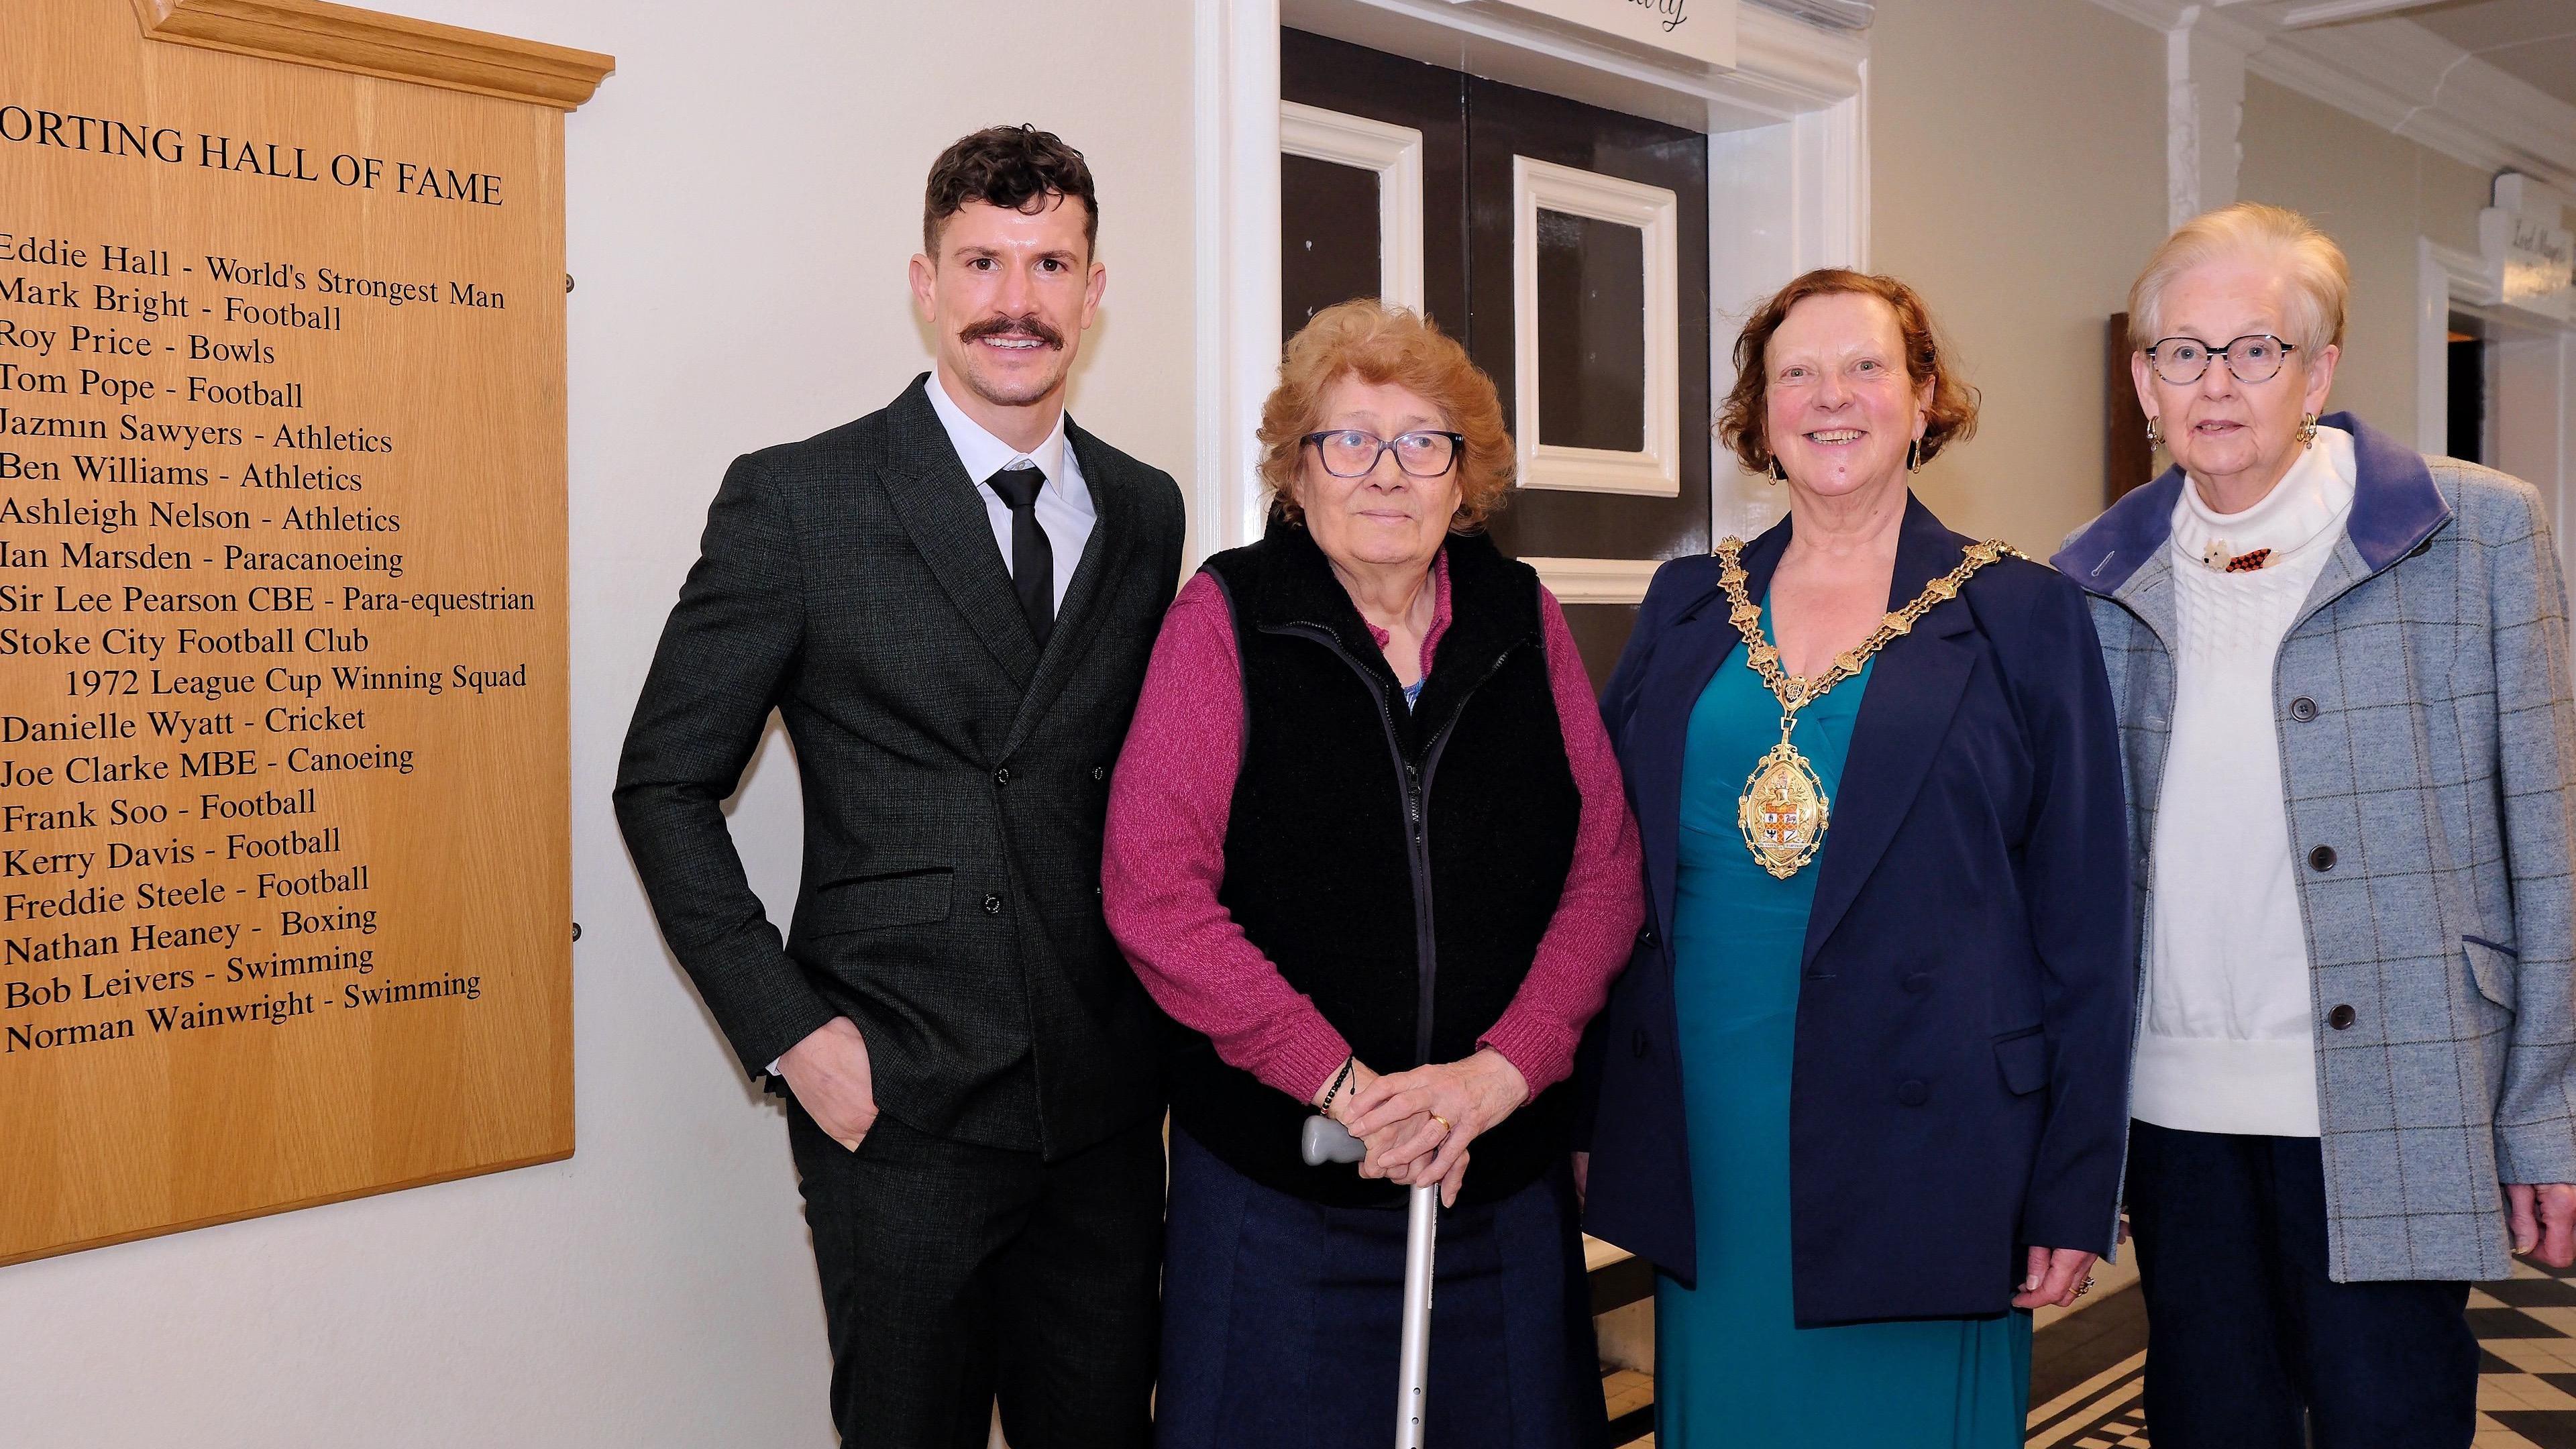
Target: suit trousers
(2249,1344)
(954,1273)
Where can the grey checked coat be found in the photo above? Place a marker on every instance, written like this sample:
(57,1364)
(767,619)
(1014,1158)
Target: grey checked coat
(2427,740)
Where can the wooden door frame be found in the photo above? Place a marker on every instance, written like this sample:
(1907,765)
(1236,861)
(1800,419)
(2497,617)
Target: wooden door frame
(1788,145)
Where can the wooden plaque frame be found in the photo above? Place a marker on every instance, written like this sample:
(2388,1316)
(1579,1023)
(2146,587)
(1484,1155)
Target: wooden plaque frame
(285,857)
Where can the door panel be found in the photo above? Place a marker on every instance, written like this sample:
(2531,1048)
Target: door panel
(1600,632)
(1506,121)
(1593,343)
(1357,81)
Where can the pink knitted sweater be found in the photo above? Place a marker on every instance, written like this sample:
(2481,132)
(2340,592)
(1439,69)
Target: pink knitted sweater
(1165,857)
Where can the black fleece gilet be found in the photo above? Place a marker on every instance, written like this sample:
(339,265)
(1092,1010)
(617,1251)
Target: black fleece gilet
(1367,839)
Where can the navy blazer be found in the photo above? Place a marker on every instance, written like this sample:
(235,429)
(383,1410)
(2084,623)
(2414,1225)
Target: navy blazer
(1960,1074)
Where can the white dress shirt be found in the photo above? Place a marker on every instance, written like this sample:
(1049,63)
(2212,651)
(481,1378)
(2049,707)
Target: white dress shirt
(2229,1040)
(1064,505)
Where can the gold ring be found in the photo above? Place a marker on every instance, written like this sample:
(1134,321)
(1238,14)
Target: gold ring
(1445,1127)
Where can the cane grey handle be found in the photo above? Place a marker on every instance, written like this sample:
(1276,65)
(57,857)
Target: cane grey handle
(1325,1140)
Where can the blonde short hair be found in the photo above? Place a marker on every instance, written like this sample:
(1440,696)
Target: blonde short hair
(1378,344)
(2320,279)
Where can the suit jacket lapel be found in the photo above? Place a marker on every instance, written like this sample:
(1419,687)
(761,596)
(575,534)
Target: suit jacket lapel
(1701,638)
(1113,530)
(1912,693)
(937,502)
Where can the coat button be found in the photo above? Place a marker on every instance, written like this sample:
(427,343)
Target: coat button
(2341,1018)
(1913,1094)
(1646,938)
(1002,776)
(1919,982)
(2322,858)
(2303,709)
(992,905)
(1100,772)
(1638,1045)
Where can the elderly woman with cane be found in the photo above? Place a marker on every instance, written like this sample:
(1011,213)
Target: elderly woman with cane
(2342,676)
(1367,822)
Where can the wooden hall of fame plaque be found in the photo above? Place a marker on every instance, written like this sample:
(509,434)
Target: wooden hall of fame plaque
(285,859)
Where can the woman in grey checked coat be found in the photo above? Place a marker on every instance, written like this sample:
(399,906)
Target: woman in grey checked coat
(2341,670)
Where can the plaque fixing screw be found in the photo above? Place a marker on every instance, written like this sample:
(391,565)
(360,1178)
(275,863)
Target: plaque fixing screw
(567,284)
(576,930)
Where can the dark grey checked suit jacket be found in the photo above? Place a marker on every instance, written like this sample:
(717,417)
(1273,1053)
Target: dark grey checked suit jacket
(2427,741)
(955,778)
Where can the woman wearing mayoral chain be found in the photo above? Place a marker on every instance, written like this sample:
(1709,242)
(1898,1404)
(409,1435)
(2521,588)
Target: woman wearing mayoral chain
(1861,1093)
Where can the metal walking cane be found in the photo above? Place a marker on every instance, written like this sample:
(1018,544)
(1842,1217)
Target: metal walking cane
(1325,1140)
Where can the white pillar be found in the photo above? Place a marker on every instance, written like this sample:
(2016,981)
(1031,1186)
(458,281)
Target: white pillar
(2204,108)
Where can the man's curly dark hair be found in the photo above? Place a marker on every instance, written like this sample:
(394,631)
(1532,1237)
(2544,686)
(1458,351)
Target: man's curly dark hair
(1021,167)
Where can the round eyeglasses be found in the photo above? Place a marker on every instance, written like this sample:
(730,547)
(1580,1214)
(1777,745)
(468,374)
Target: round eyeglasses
(1352,453)
(2255,357)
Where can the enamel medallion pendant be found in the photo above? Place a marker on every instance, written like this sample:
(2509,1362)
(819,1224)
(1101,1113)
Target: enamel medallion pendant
(1783,811)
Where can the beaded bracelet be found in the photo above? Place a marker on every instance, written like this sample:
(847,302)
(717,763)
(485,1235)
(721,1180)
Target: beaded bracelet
(1335,1090)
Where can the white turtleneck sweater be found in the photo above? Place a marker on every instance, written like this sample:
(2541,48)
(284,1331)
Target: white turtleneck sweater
(2229,1043)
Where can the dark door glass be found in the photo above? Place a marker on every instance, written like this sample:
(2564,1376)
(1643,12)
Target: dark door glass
(1591,332)
(1328,242)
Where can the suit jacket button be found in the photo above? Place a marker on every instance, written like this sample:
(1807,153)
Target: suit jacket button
(1002,776)
(1638,1045)
(2341,1018)
(1100,772)
(2322,858)
(992,905)
(1913,1094)
(2303,709)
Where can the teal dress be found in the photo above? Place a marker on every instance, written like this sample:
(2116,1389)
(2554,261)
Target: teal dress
(1731,1366)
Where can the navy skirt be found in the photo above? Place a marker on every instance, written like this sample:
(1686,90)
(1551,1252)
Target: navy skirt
(1281,1319)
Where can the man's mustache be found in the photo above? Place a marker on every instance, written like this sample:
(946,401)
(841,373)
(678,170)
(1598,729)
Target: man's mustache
(1029,326)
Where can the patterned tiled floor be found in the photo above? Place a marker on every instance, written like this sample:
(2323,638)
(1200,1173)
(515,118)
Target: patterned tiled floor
(2526,1387)
(2088,1369)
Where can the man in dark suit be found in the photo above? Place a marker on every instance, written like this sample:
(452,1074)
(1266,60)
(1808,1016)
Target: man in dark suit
(950,602)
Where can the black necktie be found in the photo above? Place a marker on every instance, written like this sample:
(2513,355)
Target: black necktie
(1032,556)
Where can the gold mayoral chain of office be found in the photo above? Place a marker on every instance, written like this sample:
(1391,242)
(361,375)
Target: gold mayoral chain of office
(1783,810)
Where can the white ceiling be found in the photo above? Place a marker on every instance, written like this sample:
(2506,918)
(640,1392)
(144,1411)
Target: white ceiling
(2533,41)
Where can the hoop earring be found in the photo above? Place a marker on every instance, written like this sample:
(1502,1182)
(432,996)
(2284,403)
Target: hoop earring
(2155,439)
(1913,454)
(2307,430)
(1778,474)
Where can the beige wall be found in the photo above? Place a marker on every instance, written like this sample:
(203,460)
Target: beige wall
(743,194)
(2375,194)
(2018,179)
